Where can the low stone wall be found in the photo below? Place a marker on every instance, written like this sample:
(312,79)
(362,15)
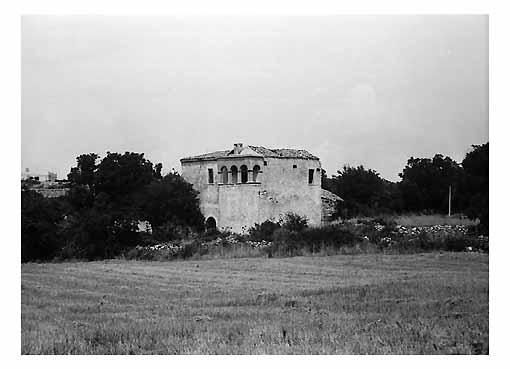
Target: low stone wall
(52,192)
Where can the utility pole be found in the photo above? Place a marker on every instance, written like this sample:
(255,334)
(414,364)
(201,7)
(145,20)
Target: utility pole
(449,200)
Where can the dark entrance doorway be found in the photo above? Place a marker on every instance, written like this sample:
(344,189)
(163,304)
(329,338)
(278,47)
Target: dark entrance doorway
(210,224)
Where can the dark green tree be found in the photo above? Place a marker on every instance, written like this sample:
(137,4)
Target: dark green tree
(170,199)
(40,218)
(328,183)
(119,175)
(362,190)
(476,167)
(425,183)
(109,197)
(85,170)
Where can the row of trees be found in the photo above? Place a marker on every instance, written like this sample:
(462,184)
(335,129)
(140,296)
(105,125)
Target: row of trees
(108,197)
(424,187)
(99,217)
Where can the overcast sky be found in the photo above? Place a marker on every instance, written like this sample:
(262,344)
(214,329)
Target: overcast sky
(370,90)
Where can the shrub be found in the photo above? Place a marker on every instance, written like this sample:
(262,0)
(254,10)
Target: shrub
(40,219)
(93,235)
(263,231)
(294,222)
(312,240)
(285,242)
(189,248)
(170,231)
(331,235)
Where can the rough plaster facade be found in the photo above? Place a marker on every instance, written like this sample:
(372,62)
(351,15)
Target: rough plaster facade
(252,184)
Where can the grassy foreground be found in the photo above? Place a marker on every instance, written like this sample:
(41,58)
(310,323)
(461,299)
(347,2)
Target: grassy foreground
(357,304)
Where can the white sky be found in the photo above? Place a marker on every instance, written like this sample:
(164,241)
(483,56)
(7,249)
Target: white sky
(371,90)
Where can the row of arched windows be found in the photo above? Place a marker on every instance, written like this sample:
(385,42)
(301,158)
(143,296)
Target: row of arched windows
(235,174)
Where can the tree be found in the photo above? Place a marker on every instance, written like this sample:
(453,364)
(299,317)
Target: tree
(111,196)
(425,182)
(476,163)
(118,175)
(476,167)
(328,184)
(84,172)
(362,190)
(110,184)
(40,218)
(170,199)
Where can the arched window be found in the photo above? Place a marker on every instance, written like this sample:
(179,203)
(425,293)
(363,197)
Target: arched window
(224,175)
(233,169)
(244,174)
(256,170)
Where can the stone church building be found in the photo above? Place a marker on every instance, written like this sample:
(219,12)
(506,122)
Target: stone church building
(250,184)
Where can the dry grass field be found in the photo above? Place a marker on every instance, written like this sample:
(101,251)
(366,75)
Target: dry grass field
(432,220)
(433,303)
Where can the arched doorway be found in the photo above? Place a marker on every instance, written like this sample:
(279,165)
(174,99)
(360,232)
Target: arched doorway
(210,224)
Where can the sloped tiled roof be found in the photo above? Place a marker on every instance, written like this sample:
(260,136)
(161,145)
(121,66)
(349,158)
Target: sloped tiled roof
(328,195)
(268,153)
(208,156)
(284,153)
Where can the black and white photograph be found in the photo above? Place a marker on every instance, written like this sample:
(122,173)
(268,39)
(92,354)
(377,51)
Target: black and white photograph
(254,184)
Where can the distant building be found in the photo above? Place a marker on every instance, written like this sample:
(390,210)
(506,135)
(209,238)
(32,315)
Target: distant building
(46,184)
(52,177)
(52,192)
(251,184)
(49,177)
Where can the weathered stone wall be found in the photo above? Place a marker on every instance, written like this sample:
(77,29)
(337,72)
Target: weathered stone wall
(239,206)
(52,192)
(280,188)
(196,173)
(286,189)
(329,205)
(328,210)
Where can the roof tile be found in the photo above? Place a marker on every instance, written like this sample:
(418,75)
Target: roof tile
(270,153)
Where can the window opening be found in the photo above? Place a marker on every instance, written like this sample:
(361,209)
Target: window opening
(256,170)
(233,169)
(244,174)
(224,175)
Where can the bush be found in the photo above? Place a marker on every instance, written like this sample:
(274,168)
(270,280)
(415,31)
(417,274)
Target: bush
(331,235)
(263,231)
(342,238)
(170,231)
(313,240)
(94,235)
(294,222)
(40,219)
(105,202)
(190,248)
(285,242)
